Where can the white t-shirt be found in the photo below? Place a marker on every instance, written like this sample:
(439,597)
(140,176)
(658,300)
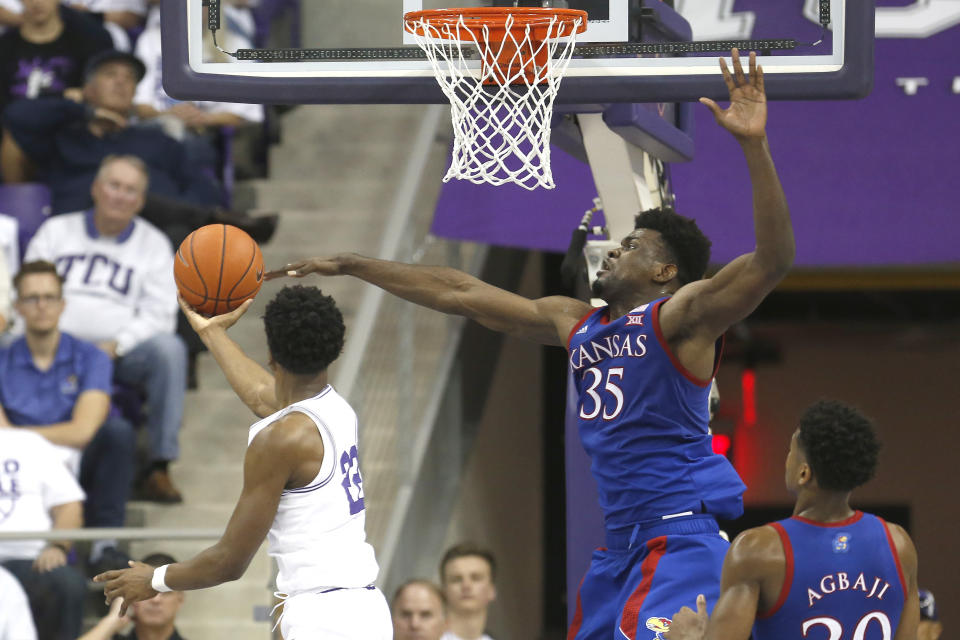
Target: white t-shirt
(32,482)
(16,620)
(450,635)
(118,288)
(317,536)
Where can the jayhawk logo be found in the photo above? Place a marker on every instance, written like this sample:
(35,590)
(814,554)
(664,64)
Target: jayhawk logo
(659,626)
(841,543)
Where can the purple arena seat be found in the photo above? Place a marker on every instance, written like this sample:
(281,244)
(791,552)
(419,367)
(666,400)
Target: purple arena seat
(29,204)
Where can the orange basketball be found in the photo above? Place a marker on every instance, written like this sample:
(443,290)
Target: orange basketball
(217,268)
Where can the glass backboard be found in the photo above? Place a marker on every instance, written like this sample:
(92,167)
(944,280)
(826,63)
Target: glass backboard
(355,51)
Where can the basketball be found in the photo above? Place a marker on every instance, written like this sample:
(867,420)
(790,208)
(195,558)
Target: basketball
(217,268)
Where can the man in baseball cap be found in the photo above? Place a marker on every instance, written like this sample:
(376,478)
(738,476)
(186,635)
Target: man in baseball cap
(112,55)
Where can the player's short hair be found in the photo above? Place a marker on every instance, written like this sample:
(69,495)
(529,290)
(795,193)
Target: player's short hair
(464,550)
(304,330)
(36,267)
(158,559)
(840,445)
(422,583)
(683,239)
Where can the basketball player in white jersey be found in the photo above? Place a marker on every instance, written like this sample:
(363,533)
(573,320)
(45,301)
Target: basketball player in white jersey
(302,486)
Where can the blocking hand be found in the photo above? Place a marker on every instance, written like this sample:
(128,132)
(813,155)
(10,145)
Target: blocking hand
(746,117)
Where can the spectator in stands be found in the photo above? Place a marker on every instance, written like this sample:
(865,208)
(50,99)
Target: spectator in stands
(62,143)
(46,55)
(120,294)
(153,619)
(930,627)
(59,388)
(119,17)
(4,292)
(40,494)
(196,124)
(16,621)
(467,572)
(419,611)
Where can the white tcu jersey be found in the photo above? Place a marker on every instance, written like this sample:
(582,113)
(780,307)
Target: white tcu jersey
(119,288)
(318,537)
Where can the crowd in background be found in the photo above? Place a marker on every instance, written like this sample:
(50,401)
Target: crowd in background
(93,350)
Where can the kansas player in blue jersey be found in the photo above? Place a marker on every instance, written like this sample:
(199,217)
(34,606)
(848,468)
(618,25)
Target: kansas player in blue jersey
(642,366)
(827,573)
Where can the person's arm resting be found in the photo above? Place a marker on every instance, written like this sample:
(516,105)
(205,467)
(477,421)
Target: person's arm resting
(89,412)
(546,320)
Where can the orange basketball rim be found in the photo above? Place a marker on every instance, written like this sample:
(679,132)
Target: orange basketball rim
(510,40)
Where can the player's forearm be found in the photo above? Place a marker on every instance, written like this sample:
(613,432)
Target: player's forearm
(771,215)
(440,288)
(212,566)
(249,380)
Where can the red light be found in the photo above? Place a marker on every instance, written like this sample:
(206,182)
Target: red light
(748,387)
(721,443)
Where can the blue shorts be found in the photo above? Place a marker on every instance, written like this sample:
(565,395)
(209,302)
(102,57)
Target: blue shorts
(647,573)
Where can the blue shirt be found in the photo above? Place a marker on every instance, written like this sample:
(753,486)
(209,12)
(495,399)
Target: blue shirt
(643,422)
(33,397)
(842,579)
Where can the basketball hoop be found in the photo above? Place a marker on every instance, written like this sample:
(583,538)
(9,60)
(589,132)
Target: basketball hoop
(502,110)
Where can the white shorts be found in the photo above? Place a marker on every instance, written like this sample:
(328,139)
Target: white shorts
(345,614)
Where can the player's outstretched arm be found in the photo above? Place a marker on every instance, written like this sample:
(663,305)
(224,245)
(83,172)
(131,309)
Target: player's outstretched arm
(546,320)
(709,307)
(754,561)
(272,457)
(910,618)
(251,382)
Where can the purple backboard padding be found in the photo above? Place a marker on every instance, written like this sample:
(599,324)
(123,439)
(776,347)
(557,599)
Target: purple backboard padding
(510,216)
(642,126)
(181,82)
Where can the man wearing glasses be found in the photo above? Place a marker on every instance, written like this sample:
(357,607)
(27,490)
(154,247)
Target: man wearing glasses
(58,387)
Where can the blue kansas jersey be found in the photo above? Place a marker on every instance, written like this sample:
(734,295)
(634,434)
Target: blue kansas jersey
(843,580)
(643,421)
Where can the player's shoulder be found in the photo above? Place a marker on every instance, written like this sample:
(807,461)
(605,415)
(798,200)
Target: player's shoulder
(903,543)
(287,434)
(757,549)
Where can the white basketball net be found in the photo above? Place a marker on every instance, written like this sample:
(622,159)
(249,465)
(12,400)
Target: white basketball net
(501,112)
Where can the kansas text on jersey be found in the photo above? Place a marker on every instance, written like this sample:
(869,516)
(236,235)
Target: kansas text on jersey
(643,421)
